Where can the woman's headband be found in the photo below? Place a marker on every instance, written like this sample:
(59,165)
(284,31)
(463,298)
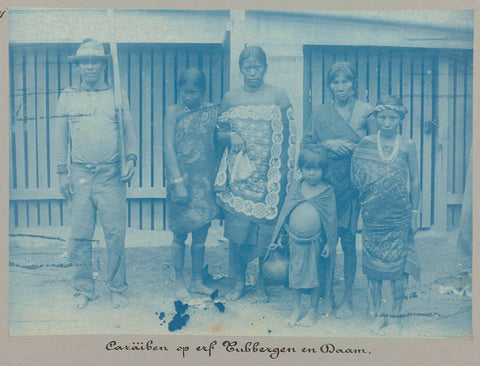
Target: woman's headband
(402,111)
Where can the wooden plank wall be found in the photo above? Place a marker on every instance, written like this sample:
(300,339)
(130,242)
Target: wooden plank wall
(149,72)
(411,74)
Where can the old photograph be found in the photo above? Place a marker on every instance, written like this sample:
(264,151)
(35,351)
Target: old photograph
(240,172)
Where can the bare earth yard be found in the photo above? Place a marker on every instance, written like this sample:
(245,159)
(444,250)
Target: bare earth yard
(40,296)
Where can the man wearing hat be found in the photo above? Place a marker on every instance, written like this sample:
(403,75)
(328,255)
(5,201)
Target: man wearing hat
(87,151)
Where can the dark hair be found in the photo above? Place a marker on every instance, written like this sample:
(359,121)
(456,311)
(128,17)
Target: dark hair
(312,155)
(390,100)
(193,75)
(254,52)
(345,68)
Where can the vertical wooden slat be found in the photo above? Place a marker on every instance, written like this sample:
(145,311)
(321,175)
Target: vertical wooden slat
(373,70)
(216,68)
(459,129)
(170,79)
(64,82)
(406,87)
(307,87)
(134,72)
(53,93)
(468,111)
(416,118)
(328,61)
(396,58)
(362,75)
(441,158)
(427,92)
(146,135)
(384,73)
(43,148)
(207,71)
(32,146)
(20,135)
(158,111)
(451,125)
(317,76)
(192,59)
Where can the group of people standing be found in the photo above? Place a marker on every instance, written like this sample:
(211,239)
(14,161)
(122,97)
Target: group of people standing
(351,156)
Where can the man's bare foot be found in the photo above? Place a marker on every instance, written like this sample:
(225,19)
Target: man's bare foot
(308,320)
(198,287)
(293,318)
(345,310)
(80,301)
(238,291)
(119,300)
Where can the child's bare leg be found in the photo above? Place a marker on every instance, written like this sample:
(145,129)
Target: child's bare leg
(198,253)
(311,318)
(328,304)
(376,295)
(178,257)
(238,267)
(295,314)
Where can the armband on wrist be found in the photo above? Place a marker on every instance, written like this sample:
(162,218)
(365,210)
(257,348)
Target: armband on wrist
(133,158)
(415,211)
(178,180)
(62,169)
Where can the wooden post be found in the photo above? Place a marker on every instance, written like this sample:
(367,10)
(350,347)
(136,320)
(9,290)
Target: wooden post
(441,159)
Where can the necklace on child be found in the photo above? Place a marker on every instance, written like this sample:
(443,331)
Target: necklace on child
(382,149)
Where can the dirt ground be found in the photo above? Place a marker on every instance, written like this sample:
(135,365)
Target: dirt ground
(40,296)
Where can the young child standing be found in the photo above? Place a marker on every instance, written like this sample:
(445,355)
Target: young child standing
(385,172)
(309,218)
(191,166)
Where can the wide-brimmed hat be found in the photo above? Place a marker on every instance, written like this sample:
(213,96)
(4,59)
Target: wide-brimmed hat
(88,50)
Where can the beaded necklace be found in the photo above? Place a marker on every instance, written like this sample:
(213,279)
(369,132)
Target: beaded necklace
(393,155)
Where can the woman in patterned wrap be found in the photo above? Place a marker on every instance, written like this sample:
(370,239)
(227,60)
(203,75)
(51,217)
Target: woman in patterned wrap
(385,172)
(256,121)
(339,126)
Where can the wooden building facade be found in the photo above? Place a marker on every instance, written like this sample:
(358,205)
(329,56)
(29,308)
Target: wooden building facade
(434,79)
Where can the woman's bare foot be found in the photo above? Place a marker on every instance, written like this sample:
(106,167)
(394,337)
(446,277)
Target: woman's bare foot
(393,326)
(308,320)
(325,308)
(80,301)
(198,287)
(119,300)
(378,323)
(293,318)
(345,310)
(238,291)
(181,292)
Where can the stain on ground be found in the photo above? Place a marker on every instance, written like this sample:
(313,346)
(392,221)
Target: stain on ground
(180,319)
(214,295)
(220,306)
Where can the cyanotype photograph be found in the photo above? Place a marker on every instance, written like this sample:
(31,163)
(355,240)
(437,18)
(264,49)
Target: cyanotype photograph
(240,173)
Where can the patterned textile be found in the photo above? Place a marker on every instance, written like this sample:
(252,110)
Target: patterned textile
(388,245)
(195,151)
(270,147)
(327,124)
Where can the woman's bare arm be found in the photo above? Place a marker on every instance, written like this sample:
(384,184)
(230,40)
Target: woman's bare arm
(173,172)
(414,173)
